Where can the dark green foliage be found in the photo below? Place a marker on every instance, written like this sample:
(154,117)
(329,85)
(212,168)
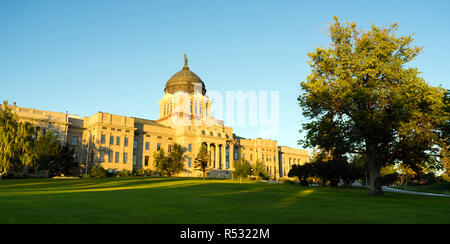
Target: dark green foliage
(175,159)
(202,160)
(54,158)
(48,151)
(125,173)
(160,161)
(390,179)
(328,170)
(303,172)
(98,172)
(16,142)
(362,97)
(172,163)
(242,168)
(260,170)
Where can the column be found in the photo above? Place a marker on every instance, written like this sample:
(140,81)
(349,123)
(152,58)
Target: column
(224,156)
(220,156)
(216,166)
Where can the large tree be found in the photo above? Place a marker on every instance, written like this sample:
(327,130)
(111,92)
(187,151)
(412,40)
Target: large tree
(15,142)
(363,97)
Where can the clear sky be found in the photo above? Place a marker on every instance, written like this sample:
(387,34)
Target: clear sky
(84,56)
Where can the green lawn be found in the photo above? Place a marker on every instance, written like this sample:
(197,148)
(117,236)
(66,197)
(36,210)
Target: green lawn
(189,201)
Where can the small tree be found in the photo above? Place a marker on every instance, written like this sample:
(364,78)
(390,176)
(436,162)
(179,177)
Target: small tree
(260,170)
(161,162)
(67,164)
(175,159)
(242,168)
(48,153)
(98,172)
(202,160)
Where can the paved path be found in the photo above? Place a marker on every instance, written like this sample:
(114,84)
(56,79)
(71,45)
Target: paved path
(385,188)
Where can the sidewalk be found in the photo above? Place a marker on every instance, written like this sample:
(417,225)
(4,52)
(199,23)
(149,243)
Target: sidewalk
(385,188)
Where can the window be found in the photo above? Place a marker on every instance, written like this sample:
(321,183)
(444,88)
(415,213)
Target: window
(111,140)
(102,156)
(75,141)
(135,144)
(147,145)
(190,147)
(134,160)
(117,157)
(75,156)
(125,156)
(146,160)
(243,155)
(110,157)
(55,133)
(206,109)
(103,139)
(158,147)
(118,140)
(191,107)
(125,141)
(200,108)
(189,162)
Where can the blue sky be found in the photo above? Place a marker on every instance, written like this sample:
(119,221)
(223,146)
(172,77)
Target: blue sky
(85,56)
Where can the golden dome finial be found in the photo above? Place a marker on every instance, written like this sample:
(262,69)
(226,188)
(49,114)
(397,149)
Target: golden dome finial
(185,62)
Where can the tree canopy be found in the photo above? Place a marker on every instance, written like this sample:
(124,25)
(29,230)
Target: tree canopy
(16,142)
(362,97)
(202,160)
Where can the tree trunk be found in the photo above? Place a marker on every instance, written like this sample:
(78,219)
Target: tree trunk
(375,178)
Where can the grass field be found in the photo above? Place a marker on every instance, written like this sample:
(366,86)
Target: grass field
(190,201)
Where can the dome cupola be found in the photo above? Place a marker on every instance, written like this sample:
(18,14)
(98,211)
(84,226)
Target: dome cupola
(185,80)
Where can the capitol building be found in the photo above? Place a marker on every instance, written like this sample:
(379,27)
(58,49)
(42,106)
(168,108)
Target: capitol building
(119,142)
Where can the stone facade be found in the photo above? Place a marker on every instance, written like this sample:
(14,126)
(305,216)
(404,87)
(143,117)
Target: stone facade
(119,142)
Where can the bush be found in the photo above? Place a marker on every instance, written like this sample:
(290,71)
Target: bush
(98,172)
(125,173)
(288,181)
(389,179)
(443,179)
(429,179)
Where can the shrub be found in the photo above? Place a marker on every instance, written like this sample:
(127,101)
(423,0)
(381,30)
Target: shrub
(140,172)
(125,173)
(98,172)
(389,179)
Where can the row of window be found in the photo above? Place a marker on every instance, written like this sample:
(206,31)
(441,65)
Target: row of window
(212,134)
(114,156)
(195,108)
(111,140)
